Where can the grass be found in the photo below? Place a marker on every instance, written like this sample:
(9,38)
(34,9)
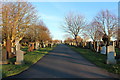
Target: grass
(98,59)
(117,50)
(29,59)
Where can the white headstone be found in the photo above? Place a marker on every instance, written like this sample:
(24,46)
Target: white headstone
(103,51)
(97,46)
(111,55)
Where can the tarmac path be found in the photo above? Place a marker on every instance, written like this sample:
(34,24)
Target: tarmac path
(63,62)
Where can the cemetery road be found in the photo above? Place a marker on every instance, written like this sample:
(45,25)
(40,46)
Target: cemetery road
(62,62)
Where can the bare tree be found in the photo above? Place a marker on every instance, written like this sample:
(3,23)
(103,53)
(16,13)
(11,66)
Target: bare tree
(107,22)
(74,24)
(93,31)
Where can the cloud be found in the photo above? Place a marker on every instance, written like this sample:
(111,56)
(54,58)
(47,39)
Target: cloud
(51,18)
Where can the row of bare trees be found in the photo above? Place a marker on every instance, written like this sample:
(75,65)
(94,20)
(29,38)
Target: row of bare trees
(19,22)
(104,24)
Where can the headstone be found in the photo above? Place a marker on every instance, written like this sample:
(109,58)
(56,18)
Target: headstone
(33,47)
(40,46)
(3,56)
(49,45)
(103,51)
(30,47)
(97,47)
(19,55)
(110,55)
(36,45)
(91,45)
(72,43)
(44,45)
(52,44)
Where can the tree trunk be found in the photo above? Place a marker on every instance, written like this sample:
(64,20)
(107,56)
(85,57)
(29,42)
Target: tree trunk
(76,40)
(8,48)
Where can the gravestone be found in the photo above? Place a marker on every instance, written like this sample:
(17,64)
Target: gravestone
(40,46)
(111,55)
(97,46)
(49,45)
(103,50)
(36,45)
(30,47)
(19,55)
(72,43)
(52,44)
(87,45)
(91,45)
(3,56)
(33,46)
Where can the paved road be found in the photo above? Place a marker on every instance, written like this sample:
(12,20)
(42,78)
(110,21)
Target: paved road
(62,62)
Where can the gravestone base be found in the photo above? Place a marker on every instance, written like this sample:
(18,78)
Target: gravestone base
(111,61)
(19,63)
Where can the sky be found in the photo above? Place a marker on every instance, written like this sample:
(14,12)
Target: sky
(52,13)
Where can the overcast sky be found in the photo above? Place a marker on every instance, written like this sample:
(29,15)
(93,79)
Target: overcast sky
(52,13)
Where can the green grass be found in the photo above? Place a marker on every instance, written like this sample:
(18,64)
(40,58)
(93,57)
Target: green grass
(98,59)
(29,59)
(117,50)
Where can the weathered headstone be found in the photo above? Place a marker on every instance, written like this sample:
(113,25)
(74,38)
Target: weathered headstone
(3,56)
(110,55)
(103,51)
(19,55)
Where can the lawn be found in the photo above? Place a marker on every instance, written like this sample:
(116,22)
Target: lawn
(29,59)
(117,51)
(98,59)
